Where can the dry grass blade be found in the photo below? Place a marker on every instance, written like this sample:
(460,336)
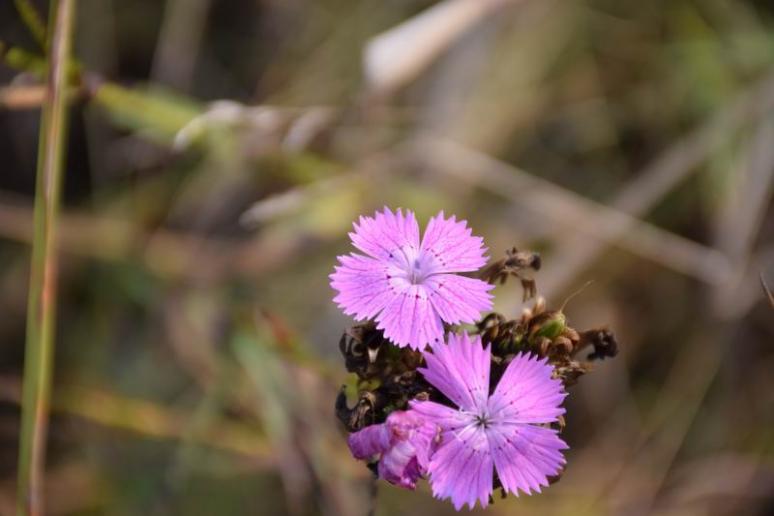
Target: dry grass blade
(397,56)
(22,97)
(654,450)
(166,253)
(595,222)
(150,420)
(179,41)
(740,218)
(269,374)
(742,215)
(767,291)
(702,481)
(662,176)
(39,354)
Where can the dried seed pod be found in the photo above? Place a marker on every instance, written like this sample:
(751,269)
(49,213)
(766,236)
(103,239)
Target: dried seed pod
(360,415)
(503,335)
(542,344)
(603,340)
(571,371)
(360,347)
(519,264)
(548,324)
(562,345)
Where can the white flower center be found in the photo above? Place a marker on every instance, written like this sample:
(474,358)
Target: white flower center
(415,265)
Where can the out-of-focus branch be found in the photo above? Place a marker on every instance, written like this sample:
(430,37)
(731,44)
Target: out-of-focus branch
(178,44)
(767,291)
(32,20)
(593,221)
(397,56)
(22,60)
(663,174)
(148,419)
(168,253)
(22,97)
(163,252)
(740,218)
(153,113)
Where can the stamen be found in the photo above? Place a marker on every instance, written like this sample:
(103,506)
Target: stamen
(483,420)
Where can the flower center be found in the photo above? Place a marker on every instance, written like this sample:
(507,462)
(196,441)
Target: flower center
(483,420)
(416,274)
(416,266)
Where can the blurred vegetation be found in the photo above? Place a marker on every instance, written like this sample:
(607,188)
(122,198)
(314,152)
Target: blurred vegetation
(219,151)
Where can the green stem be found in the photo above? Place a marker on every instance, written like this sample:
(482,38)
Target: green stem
(23,60)
(32,20)
(38,363)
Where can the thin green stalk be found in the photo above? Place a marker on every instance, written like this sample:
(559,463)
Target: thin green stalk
(31,19)
(20,59)
(39,353)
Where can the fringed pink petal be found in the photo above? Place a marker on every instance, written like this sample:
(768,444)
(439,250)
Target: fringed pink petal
(388,236)
(446,418)
(458,299)
(462,468)
(363,284)
(525,456)
(426,438)
(452,245)
(409,319)
(460,370)
(527,393)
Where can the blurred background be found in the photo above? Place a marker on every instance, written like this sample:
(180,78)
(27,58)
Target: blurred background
(219,152)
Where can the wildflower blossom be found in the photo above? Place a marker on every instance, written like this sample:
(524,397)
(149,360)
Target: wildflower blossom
(402,444)
(487,433)
(409,286)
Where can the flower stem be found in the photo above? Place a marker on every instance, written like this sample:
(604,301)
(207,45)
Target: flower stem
(373,494)
(31,19)
(39,351)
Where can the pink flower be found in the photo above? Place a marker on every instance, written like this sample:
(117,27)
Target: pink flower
(487,433)
(408,286)
(402,444)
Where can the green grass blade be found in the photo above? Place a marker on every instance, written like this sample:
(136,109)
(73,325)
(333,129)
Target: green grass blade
(38,362)
(31,19)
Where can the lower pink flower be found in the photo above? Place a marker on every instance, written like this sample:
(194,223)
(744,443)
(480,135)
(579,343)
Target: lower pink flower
(487,433)
(402,444)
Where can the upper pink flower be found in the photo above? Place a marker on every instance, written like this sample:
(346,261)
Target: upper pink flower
(490,432)
(410,286)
